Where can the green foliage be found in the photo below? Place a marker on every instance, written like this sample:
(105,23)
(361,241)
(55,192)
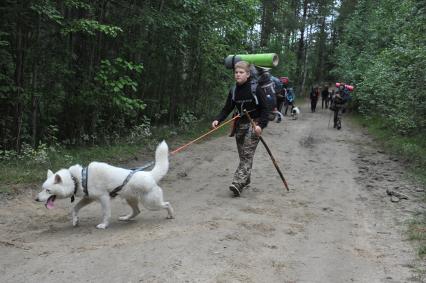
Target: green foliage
(140,133)
(47,9)
(28,154)
(115,83)
(78,4)
(82,69)
(91,27)
(186,120)
(383,53)
(77,65)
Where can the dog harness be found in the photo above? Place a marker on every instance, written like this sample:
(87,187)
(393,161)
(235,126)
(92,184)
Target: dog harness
(75,187)
(84,177)
(114,192)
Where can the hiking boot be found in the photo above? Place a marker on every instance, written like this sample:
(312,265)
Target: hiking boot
(236,189)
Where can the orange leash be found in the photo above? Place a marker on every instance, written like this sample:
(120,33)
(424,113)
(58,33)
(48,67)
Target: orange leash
(199,138)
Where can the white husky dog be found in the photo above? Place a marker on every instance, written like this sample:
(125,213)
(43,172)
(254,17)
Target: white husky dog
(295,112)
(101,182)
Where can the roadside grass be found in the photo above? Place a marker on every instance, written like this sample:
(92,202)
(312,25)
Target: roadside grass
(412,151)
(19,174)
(417,233)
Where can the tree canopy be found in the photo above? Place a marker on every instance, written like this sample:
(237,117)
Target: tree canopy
(80,71)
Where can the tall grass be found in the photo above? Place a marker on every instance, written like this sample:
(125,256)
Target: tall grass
(29,171)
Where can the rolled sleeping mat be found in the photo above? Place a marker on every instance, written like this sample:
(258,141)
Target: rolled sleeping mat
(349,87)
(262,59)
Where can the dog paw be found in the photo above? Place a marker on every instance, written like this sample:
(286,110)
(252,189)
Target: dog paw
(170,217)
(75,221)
(102,226)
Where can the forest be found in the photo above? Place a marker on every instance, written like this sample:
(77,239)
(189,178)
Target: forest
(108,80)
(78,72)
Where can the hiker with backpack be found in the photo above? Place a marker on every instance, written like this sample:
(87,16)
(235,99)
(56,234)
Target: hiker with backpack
(289,100)
(247,94)
(324,97)
(339,102)
(314,95)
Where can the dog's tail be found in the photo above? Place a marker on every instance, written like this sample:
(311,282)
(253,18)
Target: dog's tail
(161,161)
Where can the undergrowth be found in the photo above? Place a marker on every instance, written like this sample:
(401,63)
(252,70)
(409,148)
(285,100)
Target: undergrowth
(29,168)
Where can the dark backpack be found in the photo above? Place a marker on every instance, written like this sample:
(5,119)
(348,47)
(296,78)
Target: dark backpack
(271,99)
(278,87)
(261,77)
(270,96)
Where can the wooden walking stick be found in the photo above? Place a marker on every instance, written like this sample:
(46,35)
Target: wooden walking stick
(268,150)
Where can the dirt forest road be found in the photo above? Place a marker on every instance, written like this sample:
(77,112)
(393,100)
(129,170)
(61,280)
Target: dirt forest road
(336,224)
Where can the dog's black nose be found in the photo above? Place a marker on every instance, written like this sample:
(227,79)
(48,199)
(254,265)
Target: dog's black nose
(36,199)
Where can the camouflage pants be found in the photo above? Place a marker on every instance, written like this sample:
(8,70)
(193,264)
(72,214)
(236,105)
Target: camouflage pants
(338,112)
(246,144)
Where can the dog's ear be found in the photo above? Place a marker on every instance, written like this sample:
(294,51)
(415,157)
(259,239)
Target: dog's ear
(49,173)
(58,179)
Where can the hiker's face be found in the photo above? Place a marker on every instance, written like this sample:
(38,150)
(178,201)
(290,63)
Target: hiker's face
(241,76)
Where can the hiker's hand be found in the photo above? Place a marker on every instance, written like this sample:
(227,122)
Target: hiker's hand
(258,130)
(215,123)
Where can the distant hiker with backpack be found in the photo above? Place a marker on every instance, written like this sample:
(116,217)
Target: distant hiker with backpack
(339,102)
(314,95)
(248,95)
(289,100)
(324,97)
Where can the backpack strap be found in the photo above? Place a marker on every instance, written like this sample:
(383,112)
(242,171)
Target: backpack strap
(253,88)
(271,86)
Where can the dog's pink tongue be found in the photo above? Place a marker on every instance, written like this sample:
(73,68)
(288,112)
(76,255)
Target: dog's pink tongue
(50,204)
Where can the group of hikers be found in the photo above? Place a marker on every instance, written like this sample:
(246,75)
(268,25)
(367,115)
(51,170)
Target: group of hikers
(336,101)
(326,97)
(251,99)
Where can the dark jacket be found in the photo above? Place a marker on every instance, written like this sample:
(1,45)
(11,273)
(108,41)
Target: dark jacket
(314,94)
(344,96)
(245,100)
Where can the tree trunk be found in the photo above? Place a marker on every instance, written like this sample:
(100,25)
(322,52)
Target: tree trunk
(321,46)
(305,62)
(301,46)
(34,96)
(19,84)
(266,22)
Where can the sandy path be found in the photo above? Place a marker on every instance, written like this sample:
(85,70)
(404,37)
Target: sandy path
(335,225)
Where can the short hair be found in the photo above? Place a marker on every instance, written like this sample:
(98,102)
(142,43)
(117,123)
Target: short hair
(242,65)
